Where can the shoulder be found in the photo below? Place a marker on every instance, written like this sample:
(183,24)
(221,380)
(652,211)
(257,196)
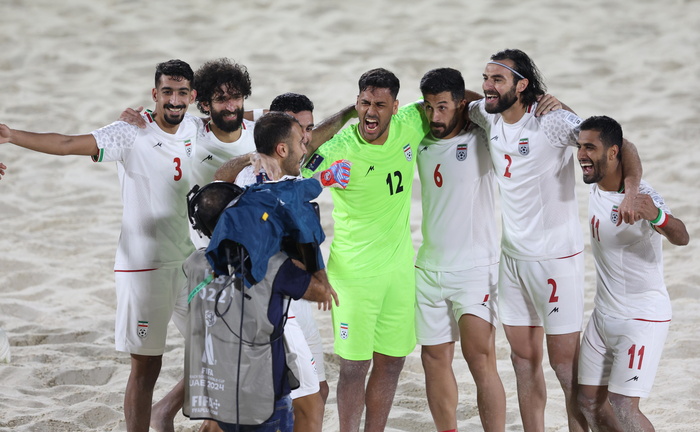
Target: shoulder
(117,133)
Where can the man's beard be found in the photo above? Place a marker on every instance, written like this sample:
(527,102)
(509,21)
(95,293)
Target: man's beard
(227,125)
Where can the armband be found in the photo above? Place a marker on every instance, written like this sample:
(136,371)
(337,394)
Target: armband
(661,220)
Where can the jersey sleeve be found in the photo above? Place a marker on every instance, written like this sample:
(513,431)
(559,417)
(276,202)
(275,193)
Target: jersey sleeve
(114,141)
(645,188)
(478,114)
(413,116)
(561,127)
(332,150)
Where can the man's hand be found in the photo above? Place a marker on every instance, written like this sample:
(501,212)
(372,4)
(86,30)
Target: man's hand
(133,117)
(330,294)
(5,134)
(2,169)
(547,103)
(338,175)
(644,207)
(267,163)
(629,208)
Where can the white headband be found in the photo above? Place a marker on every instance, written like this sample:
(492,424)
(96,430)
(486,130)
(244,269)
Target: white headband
(507,67)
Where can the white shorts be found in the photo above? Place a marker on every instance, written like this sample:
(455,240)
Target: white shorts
(305,318)
(145,304)
(542,293)
(443,297)
(622,354)
(302,363)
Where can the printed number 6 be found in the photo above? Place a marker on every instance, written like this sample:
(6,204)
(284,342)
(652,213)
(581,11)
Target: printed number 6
(437,176)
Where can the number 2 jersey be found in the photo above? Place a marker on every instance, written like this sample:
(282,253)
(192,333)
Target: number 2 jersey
(457,191)
(154,169)
(372,231)
(534,167)
(628,259)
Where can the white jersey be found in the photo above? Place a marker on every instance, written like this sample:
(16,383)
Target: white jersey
(457,191)
(154,170)
(534,167)
(628,259)
(210,154)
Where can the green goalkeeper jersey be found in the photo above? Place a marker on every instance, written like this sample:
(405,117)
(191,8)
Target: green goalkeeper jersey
(372,232)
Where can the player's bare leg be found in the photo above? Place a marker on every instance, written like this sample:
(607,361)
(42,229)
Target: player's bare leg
(628,414)
(139,391)
(563,357)
(440,384)
(526,356)
(308,413)
(381,388)
(351,393)
(164,411)
(478,339)
(595,406)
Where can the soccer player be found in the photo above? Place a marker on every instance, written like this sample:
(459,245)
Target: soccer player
(541,266)
(371,258)
(625,336)
(154,167)
(457,263)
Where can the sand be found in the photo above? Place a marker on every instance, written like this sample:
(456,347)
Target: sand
(73,66)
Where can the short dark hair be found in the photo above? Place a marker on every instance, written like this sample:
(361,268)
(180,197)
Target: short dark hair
(524,65)
(380,78)
(176,69)
(291,102)
(610,131)
(205,205)
(443,80)
(271,129)
(215,73)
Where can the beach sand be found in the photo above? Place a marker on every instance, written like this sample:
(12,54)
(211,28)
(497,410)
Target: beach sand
(73,66)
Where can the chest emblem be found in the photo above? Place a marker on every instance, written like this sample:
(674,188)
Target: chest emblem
(524,147)
(407,152)
(614,215)
(461,152)
(188,147)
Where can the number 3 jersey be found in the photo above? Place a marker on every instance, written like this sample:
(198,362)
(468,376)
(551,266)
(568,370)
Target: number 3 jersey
(154,169)
(628,259)
(457,188)
(372,232)
(534,167)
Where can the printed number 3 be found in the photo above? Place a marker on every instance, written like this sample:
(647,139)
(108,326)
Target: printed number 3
(178,169)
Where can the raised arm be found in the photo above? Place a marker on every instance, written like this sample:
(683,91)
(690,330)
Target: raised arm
(665,224)
(50,143)
(230,169)
(329,127)
(632,175)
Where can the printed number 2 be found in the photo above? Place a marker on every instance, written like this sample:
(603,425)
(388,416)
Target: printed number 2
(437,176)
(554,297)
(510,162)
(631,352)
(178,169)
(399,187)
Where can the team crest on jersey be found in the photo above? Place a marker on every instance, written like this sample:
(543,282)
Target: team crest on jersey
(142,329)
(614,215)
(407,152)
(343,331)
(188,147)
(524,146)
(461,152)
